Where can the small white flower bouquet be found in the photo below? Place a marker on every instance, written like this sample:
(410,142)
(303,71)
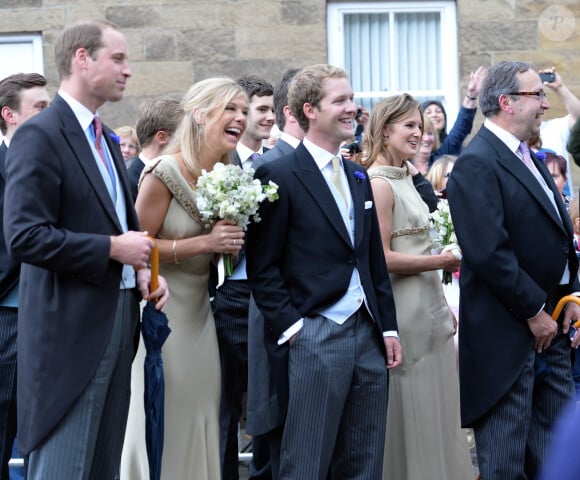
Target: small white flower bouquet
(443,237)
(229,192)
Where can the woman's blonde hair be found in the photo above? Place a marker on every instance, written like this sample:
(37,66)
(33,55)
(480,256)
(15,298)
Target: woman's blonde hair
(389,110)
(429,127)
(129,131)
(436,174)
(202,97)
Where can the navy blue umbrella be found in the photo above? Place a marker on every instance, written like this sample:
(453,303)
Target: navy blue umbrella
(155,330)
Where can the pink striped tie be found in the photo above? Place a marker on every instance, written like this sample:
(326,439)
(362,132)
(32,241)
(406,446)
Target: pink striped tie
(98,126)
(526,157)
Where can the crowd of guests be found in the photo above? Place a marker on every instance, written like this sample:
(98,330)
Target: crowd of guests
(334,322)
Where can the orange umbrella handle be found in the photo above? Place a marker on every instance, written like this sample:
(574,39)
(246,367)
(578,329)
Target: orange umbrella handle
(154,282)
(560,306)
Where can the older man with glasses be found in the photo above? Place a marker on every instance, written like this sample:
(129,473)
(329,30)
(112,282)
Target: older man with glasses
(518,261)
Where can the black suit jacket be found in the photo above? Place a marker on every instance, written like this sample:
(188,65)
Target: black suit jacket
(9,269)
(515,249)
(134,174)
(58,218)
(300,257)
(280,149)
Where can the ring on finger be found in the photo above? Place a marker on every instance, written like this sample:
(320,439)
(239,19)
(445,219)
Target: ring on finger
(234,242)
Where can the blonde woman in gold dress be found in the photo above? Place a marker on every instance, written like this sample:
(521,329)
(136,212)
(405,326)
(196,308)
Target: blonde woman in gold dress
(215,117)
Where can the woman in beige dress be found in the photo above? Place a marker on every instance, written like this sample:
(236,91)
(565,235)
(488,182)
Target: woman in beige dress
(424,439)
(215,117)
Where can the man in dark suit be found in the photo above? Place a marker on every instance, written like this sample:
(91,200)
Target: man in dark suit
(22,96)
(69,219)
(518,261)
(264,418)
(231,300)
(318,274)
(156,124)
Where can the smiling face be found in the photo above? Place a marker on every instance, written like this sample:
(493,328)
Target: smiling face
(403,137)
(427,142)
(105,76)
(331,122)
(436,115)
(225,125)
(260,121)
(528,111)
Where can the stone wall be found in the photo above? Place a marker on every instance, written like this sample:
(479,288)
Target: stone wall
(545,33)
(174,43)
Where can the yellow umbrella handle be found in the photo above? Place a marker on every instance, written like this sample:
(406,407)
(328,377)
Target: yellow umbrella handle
(563,301)
(154,282)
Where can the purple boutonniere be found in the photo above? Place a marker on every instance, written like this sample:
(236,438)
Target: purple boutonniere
(541,156)
(360,177)
(115,138)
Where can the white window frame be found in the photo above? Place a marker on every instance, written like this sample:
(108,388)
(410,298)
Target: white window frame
(450,64)
(36,64)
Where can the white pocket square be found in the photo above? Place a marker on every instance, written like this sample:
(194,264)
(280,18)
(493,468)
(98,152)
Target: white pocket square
(368,204)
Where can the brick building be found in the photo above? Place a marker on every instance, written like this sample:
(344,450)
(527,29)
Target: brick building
(426,47)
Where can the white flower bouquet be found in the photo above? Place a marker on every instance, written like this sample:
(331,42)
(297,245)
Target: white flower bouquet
(229,192)
(443,237)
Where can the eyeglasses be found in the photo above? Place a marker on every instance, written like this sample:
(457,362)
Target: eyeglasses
(541,96)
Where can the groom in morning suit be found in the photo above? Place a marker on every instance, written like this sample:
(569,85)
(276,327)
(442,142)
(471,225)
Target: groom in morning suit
(69,219)
(318,275)
(518,261)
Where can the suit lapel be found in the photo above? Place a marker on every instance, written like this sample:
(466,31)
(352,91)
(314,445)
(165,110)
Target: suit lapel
(235,158)
(119,163)
(311,177)
(285,148)
(515,167)
(557,197)
(357,191)
(75,137)
(3,150)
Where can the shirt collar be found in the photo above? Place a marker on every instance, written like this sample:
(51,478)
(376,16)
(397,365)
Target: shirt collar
(290,140)
(510,141)
(82,113)
(245,153)
(321,156)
